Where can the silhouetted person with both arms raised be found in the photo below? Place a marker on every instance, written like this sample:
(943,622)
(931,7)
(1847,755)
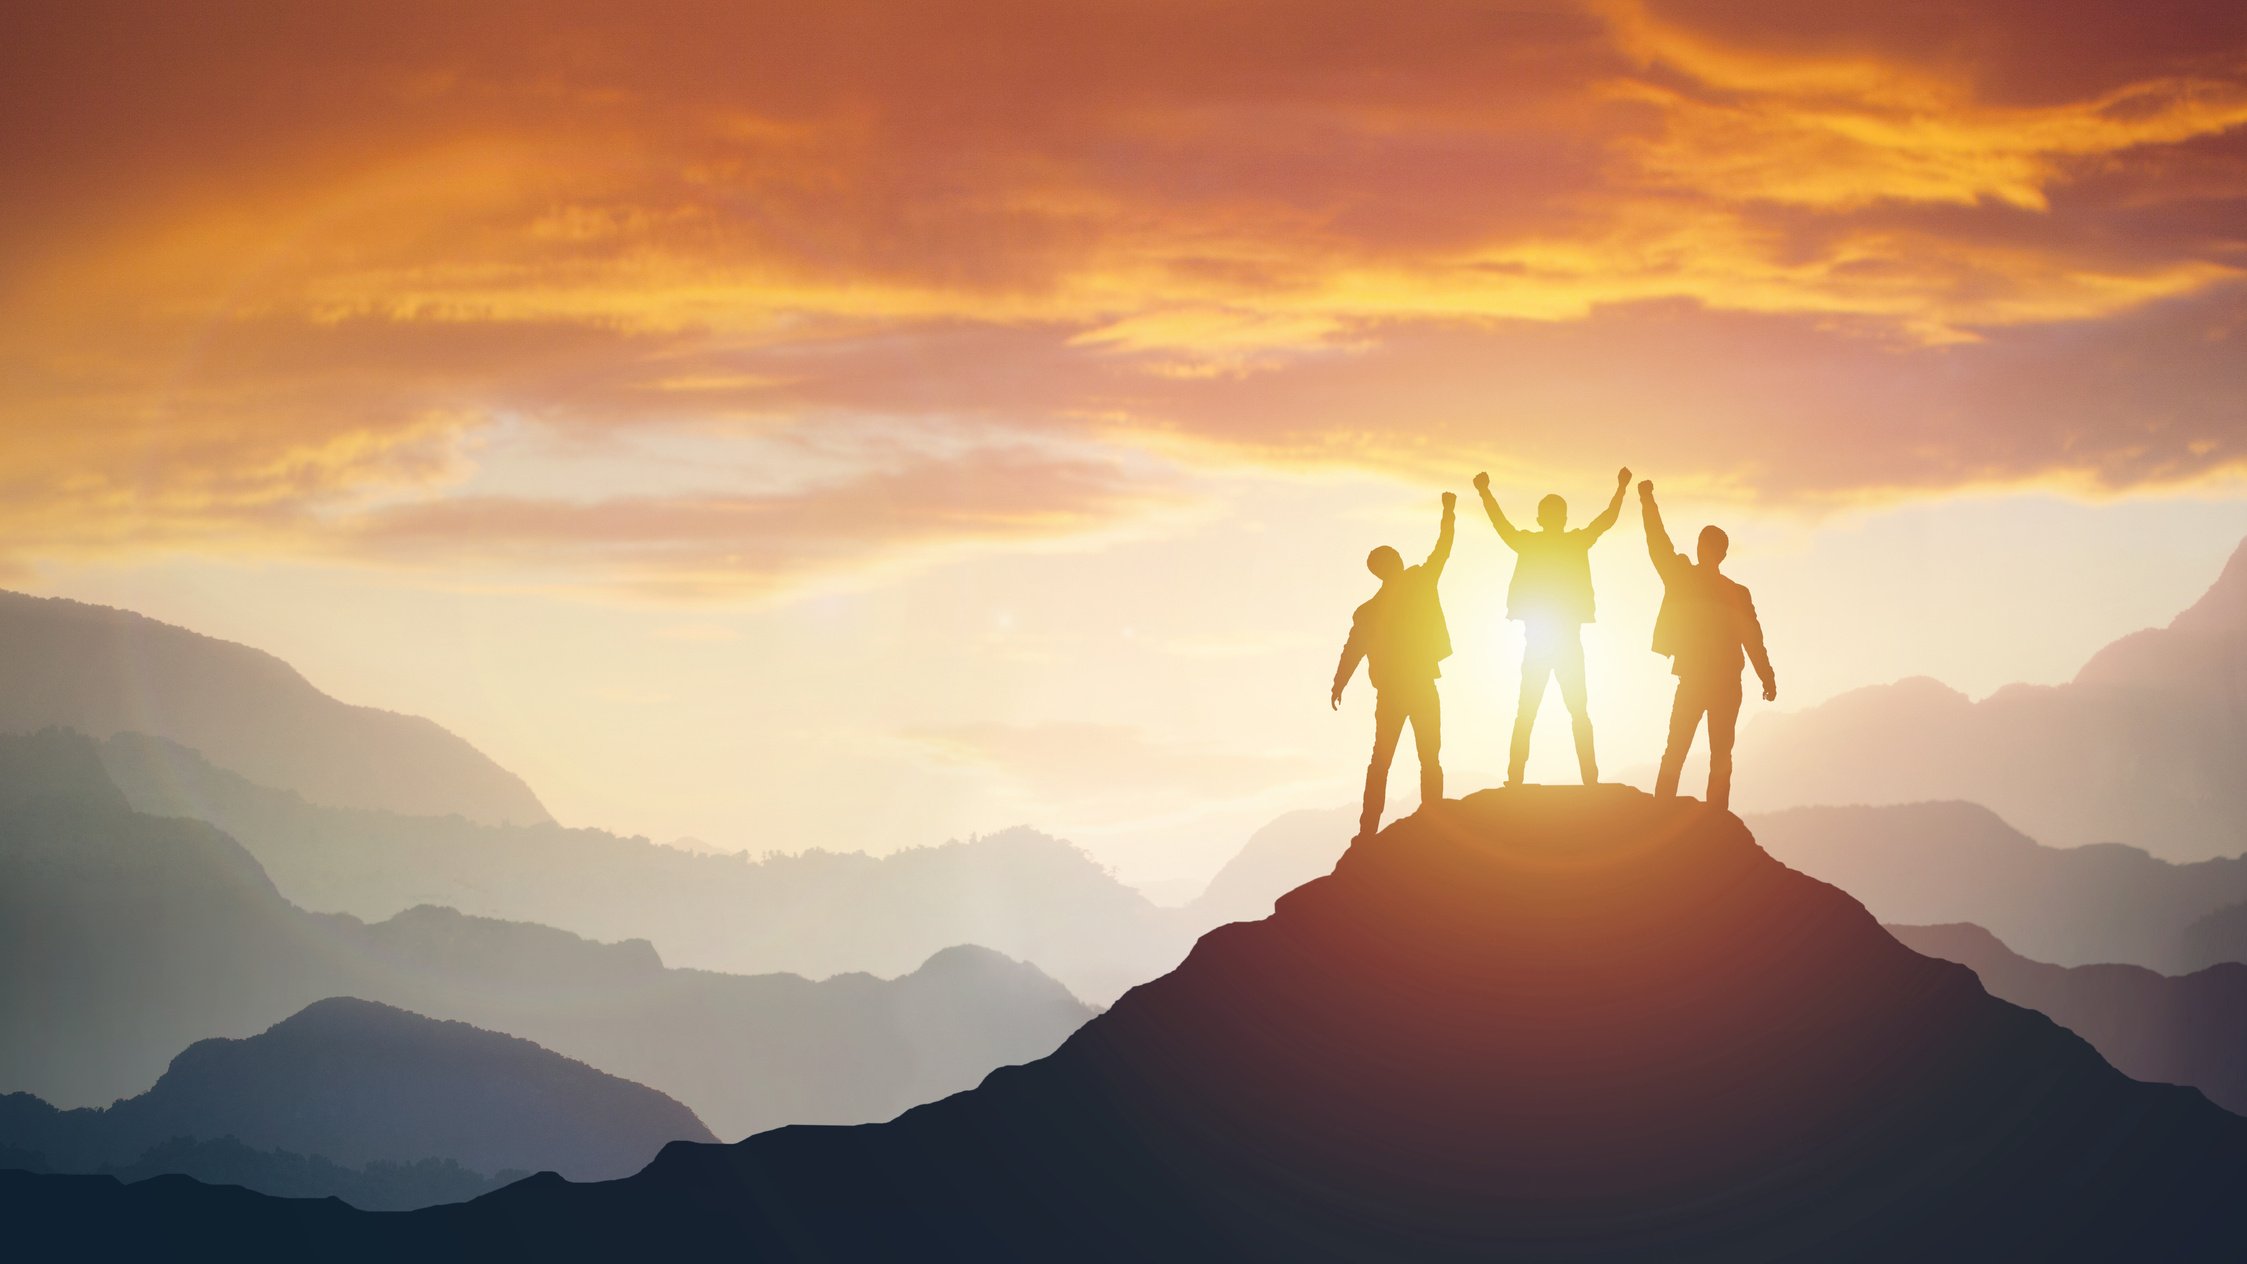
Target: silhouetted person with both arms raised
(1401,635)
(1707,627)
(1551,596)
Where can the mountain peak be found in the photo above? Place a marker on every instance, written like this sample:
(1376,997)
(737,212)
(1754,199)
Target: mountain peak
(2223,608)
(1537,1022)
(357,1081)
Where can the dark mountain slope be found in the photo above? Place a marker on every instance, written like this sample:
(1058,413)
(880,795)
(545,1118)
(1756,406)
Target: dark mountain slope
(1544,1024)
(102,671)
(2184,1030)
(130,937)
(379,1186)
(2144,746)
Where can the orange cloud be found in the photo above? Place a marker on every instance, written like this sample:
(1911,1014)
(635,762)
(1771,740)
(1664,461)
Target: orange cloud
(271,268)
(1840,128)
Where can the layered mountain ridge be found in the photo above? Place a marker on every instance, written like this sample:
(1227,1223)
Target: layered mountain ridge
(134,936)
(2143,746)
(1017,892)
(102,671)
(1927,864)
(1543,1023)
(2181,1029)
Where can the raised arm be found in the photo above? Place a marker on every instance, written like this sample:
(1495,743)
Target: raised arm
(1442,552)
(1506,530)
(1598,526)
(1658,544)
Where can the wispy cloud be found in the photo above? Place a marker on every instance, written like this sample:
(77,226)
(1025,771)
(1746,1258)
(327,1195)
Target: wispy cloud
(266,279)
(691,545)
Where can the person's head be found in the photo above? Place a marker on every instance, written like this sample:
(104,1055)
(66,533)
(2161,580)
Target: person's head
(1713,546)
(1552,513)
(1384,563)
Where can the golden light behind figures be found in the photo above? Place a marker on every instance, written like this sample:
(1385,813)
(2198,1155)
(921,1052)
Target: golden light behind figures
(603,361)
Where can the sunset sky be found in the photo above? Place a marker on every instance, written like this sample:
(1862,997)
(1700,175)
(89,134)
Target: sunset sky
(855,425)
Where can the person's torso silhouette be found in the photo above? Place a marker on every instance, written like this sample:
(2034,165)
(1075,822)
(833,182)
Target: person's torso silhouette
(1401,629)
(1707,622)
(1552,581)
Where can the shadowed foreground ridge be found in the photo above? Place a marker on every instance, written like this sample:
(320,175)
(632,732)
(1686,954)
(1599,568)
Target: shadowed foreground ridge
(1544,1023)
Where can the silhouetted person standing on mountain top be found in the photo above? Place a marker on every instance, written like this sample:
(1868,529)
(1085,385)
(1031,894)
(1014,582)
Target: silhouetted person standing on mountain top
(1707,627)
(1551,596)
(1401,635)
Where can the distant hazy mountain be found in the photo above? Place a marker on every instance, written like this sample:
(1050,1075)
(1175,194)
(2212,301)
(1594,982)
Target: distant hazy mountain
(102,671)
(2220,936)
(747,1052)
(1933,863)
(131,936)
(357,1082)
(1021,893)
(2169,1030)
(2145,746)
(1277,859)
(1546,1024)
(360,1086)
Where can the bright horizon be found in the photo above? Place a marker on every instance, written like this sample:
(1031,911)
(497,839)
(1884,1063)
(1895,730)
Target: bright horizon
(1028,759)
(981,419)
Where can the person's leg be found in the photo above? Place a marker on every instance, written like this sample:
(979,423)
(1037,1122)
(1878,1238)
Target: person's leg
(1568,664)
(1536,665)
(1724,718)
(1685,716)
(1427,738)
(1388,726)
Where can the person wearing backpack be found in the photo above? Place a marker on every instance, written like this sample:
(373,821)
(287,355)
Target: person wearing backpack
(1709,631)
(1401,636)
